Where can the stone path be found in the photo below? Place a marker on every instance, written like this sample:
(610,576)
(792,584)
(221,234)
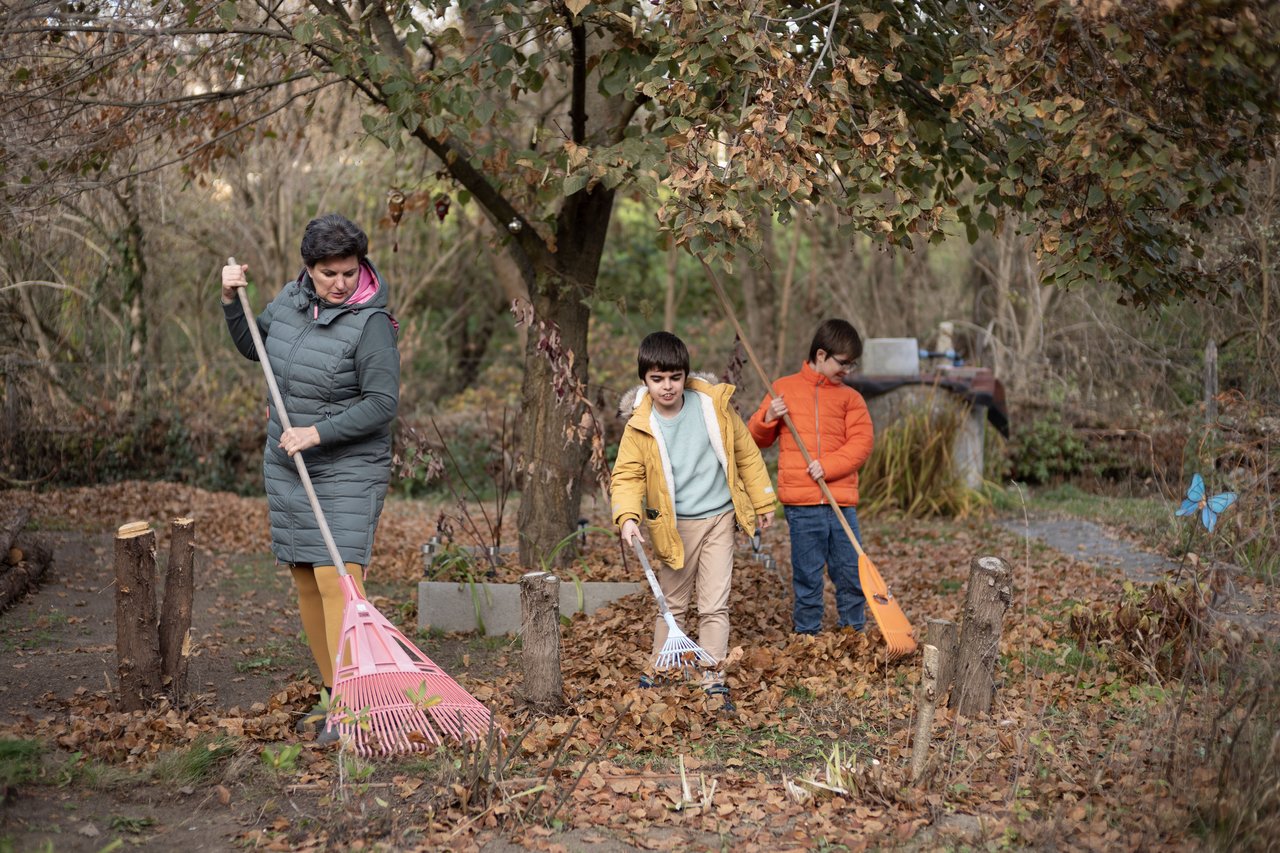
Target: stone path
(1238,599)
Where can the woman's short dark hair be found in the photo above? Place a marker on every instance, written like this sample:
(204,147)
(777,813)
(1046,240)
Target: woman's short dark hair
(333,236)
(836,337)
(662,351)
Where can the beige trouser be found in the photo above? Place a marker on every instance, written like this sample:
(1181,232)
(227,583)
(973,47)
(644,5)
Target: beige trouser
(708,566)
(320,603)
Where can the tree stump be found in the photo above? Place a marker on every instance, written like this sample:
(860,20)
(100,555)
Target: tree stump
(990,592)
(930,692)
(137,640)
(944,635)
(175,613)
(543,686)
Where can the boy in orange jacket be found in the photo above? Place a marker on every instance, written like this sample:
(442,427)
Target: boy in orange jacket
(835,426)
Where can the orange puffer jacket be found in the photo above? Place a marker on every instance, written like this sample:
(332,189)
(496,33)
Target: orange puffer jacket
(834,425)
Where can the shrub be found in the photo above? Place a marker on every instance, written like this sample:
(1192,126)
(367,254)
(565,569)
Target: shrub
(1046,449)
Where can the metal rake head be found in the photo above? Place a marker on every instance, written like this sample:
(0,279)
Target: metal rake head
(680,653)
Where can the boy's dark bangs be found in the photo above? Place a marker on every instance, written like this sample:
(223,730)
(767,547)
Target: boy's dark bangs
(664,352)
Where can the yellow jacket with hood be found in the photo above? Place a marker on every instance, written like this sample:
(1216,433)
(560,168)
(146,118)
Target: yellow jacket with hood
(642,488)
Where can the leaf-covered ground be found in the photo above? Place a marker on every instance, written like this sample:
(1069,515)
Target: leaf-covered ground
(1081,751)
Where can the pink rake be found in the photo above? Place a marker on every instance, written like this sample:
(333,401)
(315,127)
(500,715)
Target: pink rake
(382,685)
(389,697)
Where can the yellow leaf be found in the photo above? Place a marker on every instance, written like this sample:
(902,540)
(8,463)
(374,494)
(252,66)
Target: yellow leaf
(575,6)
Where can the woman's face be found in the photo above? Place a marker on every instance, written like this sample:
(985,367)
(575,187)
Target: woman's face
(335,278)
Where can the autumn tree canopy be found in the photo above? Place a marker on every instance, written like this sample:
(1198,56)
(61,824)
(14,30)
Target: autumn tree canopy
(1115,130)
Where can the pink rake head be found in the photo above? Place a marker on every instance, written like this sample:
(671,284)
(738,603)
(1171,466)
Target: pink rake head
(388,696)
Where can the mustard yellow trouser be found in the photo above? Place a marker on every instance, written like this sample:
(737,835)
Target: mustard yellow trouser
(320,603)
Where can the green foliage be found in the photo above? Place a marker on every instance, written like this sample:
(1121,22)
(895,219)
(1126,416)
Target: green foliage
(19,763)
(1045,449)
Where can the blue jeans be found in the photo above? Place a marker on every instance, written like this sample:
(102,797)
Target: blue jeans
(817,539)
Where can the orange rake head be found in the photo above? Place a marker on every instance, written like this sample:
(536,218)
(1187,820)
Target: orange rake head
(388,697)
(899,635)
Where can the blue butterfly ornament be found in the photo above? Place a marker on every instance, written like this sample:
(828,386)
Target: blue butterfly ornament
(1210,508)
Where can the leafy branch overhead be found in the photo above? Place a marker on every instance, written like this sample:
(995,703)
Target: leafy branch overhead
(1114,130)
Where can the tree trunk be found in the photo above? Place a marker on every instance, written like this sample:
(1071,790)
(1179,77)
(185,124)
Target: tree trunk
(175,615)
(990,592)
(137,641)
(553,455)
(554,449)
(543,685)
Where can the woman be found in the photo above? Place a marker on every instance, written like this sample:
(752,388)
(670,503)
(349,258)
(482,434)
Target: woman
(331,342)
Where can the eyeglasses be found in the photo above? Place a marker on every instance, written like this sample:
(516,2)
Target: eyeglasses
(845,363)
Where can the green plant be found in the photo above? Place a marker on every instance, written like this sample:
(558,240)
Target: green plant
(1044,448)
(131,825)
(281,758)
(912,466)
(196,762)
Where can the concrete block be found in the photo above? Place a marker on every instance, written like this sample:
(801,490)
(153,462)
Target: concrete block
(891,357)
(455,606)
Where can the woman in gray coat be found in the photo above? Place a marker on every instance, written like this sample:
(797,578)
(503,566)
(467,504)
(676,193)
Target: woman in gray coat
(331,342)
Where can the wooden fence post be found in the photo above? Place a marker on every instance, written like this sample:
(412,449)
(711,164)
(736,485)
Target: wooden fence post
(175,614)
(929,694)
(137,641)
(945,636)
(1211,382)
(990,592)
(543,685)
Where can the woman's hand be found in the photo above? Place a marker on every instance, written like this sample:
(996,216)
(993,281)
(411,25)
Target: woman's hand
(777,408)
(233,277)
(296,439)
(631,532)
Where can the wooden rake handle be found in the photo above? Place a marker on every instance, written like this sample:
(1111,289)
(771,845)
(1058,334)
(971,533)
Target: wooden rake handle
(276,399)
(786,418)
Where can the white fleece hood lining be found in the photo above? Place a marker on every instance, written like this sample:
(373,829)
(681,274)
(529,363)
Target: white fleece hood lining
(712,425)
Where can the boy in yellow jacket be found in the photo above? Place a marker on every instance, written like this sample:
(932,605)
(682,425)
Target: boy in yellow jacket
(689,467)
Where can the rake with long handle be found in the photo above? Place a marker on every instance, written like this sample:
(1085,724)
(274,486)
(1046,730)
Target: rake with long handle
(388,697)
(898,633)
(678,652)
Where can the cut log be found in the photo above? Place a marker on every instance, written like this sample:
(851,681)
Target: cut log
(137,640)
(175,613)
(990,592)
(543,686)
(929,695)
(11,524)
(32,563)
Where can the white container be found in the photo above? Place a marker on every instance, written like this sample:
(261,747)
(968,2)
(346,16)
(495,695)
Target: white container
(891,357)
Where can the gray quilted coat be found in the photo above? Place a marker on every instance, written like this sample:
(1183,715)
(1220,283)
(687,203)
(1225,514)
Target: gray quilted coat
(338,369)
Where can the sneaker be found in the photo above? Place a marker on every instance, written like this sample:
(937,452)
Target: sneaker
(646,681)
(718,699)
(312,721)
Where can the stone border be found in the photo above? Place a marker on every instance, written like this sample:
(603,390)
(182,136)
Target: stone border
(455,605)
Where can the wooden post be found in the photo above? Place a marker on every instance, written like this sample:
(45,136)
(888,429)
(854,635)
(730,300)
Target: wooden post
(543,685)
(944,635)
(137,641)
(989,595)
(175,614)
(1211,382)
(929,695)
